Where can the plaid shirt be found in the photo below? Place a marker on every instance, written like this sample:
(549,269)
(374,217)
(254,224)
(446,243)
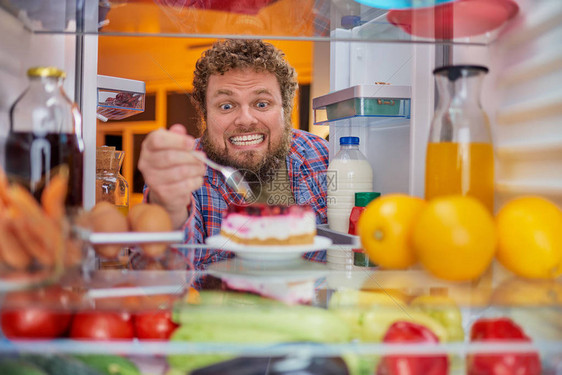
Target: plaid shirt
(307,163)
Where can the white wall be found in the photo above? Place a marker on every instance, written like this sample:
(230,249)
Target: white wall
(21,49)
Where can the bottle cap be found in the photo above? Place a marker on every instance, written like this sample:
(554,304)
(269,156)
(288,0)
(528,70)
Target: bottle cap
(454,72)
(349,141)
(364,198)
(349,22)
(45,71)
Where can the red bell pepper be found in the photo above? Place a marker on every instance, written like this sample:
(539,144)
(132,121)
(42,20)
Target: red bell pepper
(407,332)
(502,363)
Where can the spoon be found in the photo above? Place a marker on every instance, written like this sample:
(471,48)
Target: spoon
(234,177)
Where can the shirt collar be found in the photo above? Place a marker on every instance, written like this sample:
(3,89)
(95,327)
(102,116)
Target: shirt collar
(295,160)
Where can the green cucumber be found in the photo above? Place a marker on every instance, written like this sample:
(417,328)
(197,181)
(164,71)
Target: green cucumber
(55,364)
(109,364)
(301,323)
(220,299)
(19,367)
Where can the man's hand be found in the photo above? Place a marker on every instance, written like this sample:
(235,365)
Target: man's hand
(170,170)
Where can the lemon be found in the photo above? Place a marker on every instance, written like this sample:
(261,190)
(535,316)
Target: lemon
(454,238)
(365,299)
(530,237)
(385,228)
(517,291)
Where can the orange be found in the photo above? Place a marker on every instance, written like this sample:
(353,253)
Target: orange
(385,227)
(530,237)
(454,238)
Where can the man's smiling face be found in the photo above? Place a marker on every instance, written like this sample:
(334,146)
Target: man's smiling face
(246,127)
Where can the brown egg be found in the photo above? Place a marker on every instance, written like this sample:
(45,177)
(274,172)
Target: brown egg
(148,217)
(103,206)
(135,211)
(105,217)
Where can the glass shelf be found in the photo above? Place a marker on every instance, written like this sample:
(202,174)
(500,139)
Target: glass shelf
(535,308)
(309,20)
(163,347)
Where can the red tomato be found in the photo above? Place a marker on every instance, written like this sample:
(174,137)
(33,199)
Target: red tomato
(154,325)
(503,363)
(34,323)
(39,314)
(102,325)
(405,332)
(499,328)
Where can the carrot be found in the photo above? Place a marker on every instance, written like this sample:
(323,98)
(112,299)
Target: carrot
(4,196)
(10,248)
(54,194)
(30,222)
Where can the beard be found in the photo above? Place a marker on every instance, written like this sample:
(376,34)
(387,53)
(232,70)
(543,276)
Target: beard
(254,171)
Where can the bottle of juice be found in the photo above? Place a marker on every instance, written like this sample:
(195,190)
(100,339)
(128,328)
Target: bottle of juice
(45,133)
(460,155)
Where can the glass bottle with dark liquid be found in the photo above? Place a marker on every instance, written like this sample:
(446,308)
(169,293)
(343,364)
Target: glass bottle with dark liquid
(45,133)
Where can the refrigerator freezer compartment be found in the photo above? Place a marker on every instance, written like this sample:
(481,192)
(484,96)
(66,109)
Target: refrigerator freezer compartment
(119,98)
(379,100)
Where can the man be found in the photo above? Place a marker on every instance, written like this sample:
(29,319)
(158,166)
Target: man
(244,92)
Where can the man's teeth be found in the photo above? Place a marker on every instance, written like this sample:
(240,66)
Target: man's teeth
(246,140)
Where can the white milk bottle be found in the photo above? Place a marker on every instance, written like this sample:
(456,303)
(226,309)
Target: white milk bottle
(349,172)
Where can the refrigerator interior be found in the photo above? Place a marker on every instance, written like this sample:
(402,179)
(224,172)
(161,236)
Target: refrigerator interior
(522,95)
(519,95)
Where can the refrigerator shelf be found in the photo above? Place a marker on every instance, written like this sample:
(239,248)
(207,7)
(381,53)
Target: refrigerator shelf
(379,100)
(119,98)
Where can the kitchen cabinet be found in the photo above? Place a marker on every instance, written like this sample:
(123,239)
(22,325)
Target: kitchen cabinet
(522,97)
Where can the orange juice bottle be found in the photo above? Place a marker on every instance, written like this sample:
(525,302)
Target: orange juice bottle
(460,168)
(460,155)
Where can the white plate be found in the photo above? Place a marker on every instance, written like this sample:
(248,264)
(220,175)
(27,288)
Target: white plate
(292,285)
(300,270)
(268,253)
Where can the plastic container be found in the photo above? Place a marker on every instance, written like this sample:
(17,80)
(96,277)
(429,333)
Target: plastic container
(119,98)
(460,154)
(363,101)
(361,201)
(349,172)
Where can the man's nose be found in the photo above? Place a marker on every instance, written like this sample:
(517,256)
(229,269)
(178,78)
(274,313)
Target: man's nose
(245,116)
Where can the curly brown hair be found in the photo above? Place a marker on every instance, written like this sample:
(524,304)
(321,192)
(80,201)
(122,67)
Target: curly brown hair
(255,54)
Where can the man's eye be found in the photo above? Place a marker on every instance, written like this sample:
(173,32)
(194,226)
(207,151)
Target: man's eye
(226,107)
(262,104)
